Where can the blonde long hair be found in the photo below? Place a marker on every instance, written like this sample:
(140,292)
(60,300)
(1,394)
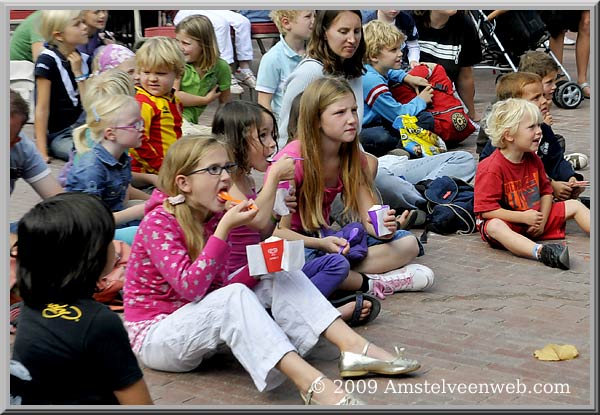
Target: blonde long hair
(320,94)
(102,87)
(101,113)
(182,158)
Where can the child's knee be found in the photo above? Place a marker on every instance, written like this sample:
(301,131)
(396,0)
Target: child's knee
(408,245)
(495,227)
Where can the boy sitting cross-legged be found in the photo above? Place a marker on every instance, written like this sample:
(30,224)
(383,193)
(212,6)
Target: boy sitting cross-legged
(383,60)
(295,27)
(513,196)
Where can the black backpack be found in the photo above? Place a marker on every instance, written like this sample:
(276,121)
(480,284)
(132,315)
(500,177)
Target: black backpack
(449,206)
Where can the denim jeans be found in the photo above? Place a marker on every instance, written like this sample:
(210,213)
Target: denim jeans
(60,143)
(397,175)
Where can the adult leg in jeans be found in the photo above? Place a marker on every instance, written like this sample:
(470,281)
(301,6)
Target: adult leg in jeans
(460,164)
(396,191)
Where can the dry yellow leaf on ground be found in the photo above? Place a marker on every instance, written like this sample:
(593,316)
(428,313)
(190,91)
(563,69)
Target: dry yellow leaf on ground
(557,352)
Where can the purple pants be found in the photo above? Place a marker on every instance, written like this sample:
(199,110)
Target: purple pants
(327,272)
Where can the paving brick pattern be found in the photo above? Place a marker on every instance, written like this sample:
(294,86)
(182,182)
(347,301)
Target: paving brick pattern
(480,323)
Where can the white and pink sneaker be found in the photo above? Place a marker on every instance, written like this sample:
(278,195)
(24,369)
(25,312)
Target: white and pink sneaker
(412,277)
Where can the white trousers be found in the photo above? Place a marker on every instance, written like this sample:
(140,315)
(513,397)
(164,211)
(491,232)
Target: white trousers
(223,20)
(235,316)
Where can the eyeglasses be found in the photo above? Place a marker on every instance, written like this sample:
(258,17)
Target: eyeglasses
(137,126)
(216,170)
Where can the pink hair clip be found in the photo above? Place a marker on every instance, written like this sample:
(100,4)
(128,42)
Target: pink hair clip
(176,200)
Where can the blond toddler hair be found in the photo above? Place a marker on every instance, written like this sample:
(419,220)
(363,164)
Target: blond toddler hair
(160,52)
(506,116)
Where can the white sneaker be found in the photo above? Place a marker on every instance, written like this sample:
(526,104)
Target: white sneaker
(578,160)
(568,40)
(235,87)
(247,77)
(413,277)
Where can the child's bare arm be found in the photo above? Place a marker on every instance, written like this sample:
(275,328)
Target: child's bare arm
(545,207)
(135,394)
(264,99)
(529,217)
(131,213)
(42,113)
(331,244)
(282,169)
(143,179)
(191,100)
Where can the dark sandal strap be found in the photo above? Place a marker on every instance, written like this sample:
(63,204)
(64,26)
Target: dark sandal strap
(357,309)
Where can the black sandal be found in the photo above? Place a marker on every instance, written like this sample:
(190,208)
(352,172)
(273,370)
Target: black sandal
(359,298)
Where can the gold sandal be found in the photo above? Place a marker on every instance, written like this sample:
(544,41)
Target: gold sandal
(317,385)
(353,364)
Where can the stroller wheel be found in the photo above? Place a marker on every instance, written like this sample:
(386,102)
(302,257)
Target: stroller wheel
(567,95)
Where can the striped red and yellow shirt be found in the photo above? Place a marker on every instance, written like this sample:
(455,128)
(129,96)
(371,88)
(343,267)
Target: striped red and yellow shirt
(162,127)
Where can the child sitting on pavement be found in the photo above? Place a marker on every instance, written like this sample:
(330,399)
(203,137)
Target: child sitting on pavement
(159,62)
(275,66)
(60,74)
(206,77)
(513,196)
(529,87)
(104,169)
(541,63)
(384,56)
(182,306)
(332,164)
(65,247)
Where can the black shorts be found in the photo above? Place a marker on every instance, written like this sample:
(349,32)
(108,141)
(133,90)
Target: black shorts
(559,20)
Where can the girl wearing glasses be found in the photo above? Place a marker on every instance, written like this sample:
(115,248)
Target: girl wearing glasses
(251,132)
(182,305)
(115,125)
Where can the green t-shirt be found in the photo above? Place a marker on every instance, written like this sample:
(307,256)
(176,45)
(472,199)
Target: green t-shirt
(220,74)
(24,36)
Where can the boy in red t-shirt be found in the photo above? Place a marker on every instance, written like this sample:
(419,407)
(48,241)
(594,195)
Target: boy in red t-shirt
(513,196)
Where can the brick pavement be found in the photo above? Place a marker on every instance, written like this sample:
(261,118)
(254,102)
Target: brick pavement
(480,323)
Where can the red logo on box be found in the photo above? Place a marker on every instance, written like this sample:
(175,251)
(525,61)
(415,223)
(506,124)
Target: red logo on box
(273,254)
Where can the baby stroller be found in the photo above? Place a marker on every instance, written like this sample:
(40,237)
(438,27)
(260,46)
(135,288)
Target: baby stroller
(520,30)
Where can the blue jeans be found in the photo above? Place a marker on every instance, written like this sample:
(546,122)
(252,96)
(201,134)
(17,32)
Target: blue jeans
(397,175)
(60,143)
(379,139)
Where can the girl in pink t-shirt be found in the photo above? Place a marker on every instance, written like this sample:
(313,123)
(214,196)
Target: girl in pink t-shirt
(333,164)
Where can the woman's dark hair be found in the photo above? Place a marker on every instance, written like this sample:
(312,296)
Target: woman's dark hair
(63,248)
(292,128)
(423,17)
(233,121)
(318,47)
